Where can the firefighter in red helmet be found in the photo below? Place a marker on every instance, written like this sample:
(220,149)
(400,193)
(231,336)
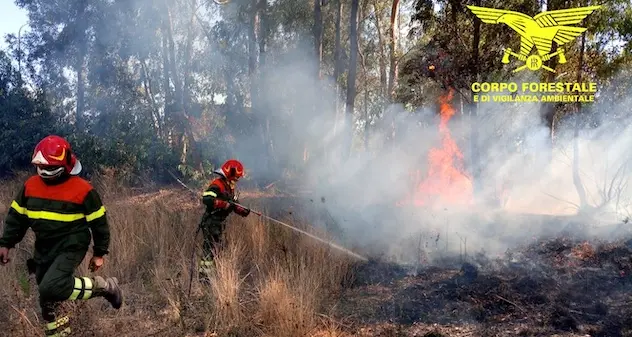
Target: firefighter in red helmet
(65,213)
(218,199)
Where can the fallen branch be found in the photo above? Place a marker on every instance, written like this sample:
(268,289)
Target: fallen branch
(270,185)
(582,313)
(23,315)
(562,200)
(510,302)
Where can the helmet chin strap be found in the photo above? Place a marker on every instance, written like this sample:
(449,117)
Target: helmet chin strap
(50,174)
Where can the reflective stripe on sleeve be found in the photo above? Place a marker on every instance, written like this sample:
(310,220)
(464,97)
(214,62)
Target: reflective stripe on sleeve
(18,208)
(209,194)
(96,214)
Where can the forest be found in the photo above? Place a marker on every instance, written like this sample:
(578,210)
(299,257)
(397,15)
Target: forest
(415,133)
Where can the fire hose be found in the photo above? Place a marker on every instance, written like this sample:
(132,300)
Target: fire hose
(260,214)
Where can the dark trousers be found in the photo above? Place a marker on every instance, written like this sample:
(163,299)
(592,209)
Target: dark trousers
(56,283)
(212,231)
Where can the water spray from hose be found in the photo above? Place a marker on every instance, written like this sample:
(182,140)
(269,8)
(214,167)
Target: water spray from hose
(329,243)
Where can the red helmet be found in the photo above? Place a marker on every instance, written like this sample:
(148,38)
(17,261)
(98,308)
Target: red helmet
(52,156)
(231,170)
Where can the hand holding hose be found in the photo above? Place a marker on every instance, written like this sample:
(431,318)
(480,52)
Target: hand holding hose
(239,209)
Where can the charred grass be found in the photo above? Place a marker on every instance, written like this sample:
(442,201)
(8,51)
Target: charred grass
(268,281)
(553,287)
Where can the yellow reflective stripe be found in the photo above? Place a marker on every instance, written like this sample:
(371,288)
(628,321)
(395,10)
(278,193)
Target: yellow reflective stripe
(206,263)
(58,323)
(209,193)
(97,214)
(87,293)
(47,215)
(18,208)
(63,333)
(78,288)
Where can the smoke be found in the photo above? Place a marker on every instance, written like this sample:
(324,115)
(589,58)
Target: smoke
(517,164)
(364,194)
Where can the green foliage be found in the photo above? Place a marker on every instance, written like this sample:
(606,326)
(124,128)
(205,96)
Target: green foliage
(172,85)
(24,283)
(24,117)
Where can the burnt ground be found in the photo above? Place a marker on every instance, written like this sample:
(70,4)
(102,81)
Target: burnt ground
(558,286)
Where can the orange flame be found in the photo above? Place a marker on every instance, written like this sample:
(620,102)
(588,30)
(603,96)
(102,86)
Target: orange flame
(446,183)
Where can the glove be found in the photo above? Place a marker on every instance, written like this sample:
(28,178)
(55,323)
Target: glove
(221,204)
(242,211)
(4,255)
(95,263)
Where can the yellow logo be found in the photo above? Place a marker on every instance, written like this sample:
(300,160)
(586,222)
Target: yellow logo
(539,31)
(60,157)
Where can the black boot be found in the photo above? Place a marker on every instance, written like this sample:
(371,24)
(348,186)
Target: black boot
(205,270)
(108,289)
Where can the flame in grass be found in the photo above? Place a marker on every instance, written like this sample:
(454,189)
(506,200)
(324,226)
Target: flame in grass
(446,182)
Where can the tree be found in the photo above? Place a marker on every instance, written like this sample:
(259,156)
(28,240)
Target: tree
(351,77)
(393,32)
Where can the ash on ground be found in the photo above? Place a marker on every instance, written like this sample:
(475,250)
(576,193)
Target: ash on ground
(558,286)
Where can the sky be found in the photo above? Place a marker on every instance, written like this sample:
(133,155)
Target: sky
(11,19)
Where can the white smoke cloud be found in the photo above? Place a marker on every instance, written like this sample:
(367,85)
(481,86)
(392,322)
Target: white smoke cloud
(361,194)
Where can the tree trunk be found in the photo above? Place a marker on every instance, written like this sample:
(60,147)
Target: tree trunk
(168,106)
(367,119)
(264,122)
(252,42)
(80,65)
(317,31)
(263,21)
(577,181)
(337,47)
(172,60)
(548,111)
(337,64)
(382,57)
(318,36)
(196,154)
(365,76)
(253,51)
(186,90)
(474,106)
(455,7)
(261,104)
(149,95)
(180,116)
(393,31)
(351,79)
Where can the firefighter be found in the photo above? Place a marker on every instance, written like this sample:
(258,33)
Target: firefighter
(218,199)
(65,213)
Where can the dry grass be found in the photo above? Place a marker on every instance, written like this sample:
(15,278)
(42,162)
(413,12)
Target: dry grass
(268,281)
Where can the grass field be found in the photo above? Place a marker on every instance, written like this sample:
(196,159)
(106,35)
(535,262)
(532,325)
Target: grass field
(268,281)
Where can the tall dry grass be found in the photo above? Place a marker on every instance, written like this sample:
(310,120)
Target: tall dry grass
(268,280)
